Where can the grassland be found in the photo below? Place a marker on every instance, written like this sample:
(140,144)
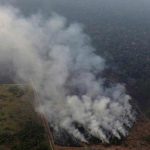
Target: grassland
(20,128)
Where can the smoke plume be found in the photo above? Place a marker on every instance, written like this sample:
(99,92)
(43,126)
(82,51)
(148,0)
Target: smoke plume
(60,61)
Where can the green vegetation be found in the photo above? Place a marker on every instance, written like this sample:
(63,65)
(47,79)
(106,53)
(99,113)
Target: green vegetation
(31,137)
(6,138)
(20,128)
(16,91)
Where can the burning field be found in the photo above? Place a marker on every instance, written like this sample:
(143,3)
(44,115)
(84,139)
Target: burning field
(18,124)
(81,84)
(65,71)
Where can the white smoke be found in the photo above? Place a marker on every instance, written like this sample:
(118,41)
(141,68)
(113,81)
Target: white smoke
(66,72)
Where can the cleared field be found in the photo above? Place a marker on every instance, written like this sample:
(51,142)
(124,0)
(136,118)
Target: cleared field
(20,127)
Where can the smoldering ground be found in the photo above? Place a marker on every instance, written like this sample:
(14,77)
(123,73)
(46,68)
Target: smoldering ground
(60,61)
